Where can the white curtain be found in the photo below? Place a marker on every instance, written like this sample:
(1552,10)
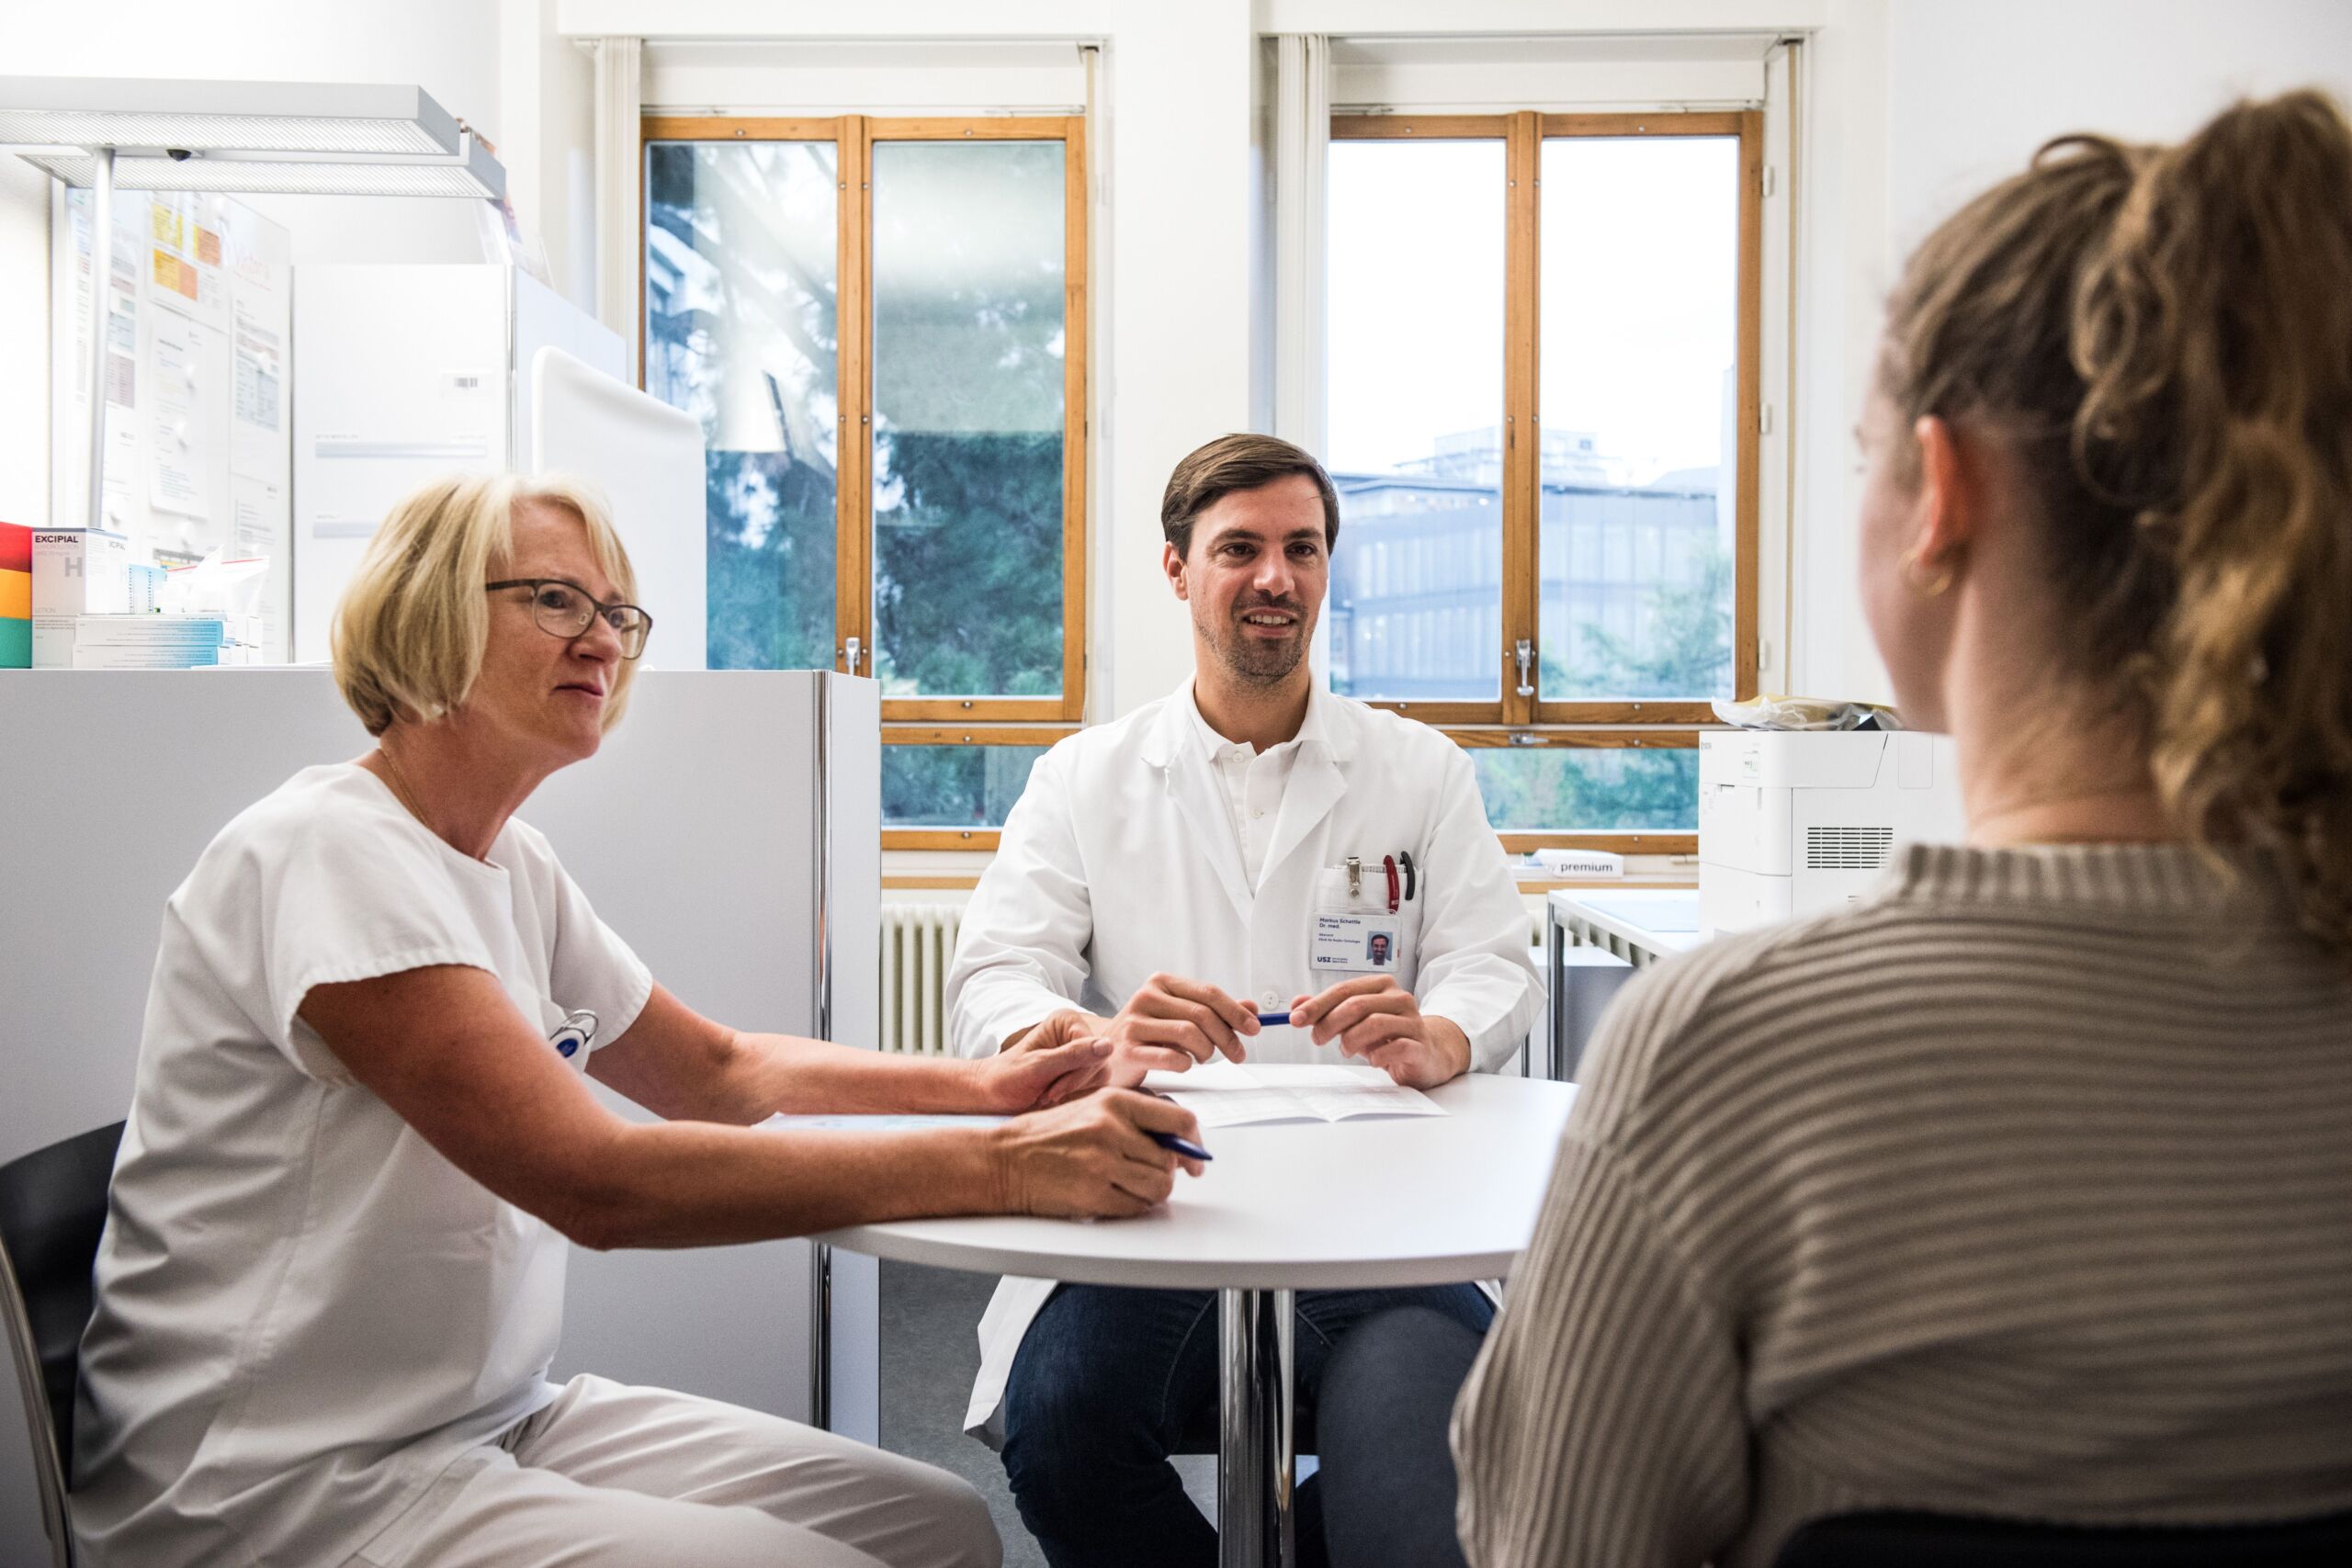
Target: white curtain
(620,221)
(1302,138)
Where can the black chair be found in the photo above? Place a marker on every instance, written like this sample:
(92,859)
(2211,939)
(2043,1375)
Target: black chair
(1942,1541)
(53,1206)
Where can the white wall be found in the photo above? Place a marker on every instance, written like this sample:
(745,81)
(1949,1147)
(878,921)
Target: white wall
(546,104)
(1915,105)
(1181,219)
(1976,88)
(1841,277)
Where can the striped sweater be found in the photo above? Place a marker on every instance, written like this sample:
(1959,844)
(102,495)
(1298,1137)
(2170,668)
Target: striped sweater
(2022,1188)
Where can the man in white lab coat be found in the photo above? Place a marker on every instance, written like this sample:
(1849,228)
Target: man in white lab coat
(1248,843)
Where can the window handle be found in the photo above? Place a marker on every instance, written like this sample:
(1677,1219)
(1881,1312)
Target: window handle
(851,653)
(1526,667)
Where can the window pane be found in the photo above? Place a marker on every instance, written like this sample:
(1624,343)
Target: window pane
(740,241)
(1414,398)
(967,417)
(1593,790)
(953,787)
(1638,367)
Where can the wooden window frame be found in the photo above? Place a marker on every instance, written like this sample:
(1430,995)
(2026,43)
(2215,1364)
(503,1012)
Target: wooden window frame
(1514,842)
(957,735)
(1645,841)
(855,137)
(1523,135)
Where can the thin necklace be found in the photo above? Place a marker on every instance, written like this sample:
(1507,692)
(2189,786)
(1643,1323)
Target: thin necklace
(399,784)
(393,777)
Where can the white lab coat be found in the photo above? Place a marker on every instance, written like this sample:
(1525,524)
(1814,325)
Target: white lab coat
(1120,862)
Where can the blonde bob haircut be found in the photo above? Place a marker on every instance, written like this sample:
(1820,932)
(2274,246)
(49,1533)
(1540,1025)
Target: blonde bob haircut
(411,629)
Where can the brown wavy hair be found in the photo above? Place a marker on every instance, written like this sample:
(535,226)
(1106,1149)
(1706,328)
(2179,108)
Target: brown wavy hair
(2162,338)
(1208,474)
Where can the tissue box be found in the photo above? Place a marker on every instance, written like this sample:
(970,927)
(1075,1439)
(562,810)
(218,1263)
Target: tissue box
(76,572)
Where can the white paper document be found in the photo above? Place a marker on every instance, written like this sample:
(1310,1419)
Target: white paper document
(1228,1094)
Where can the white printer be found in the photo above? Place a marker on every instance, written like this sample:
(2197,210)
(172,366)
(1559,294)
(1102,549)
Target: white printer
(1796,822)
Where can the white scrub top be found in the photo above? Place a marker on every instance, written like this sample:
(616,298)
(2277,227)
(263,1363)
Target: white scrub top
(1122,858)
(305,1311)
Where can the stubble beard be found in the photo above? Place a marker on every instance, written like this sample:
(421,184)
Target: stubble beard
(1259,663)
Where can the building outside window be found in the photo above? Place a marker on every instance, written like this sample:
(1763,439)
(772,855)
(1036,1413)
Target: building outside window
(1542,345)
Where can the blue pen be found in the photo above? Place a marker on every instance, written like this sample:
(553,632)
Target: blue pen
(1266,1020)
(1173,1143)
(1185,1146)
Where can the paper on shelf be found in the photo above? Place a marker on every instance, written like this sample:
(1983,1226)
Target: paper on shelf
(1228,1094)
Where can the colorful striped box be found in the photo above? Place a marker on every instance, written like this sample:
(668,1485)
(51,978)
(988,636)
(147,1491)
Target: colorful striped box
(15,597)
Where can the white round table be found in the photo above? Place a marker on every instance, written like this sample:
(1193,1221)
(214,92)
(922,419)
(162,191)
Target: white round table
(1286,1207)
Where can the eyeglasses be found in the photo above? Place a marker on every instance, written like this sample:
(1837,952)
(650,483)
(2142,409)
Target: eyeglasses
(567,610)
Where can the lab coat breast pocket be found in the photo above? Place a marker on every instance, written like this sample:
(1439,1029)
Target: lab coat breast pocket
(1354,933)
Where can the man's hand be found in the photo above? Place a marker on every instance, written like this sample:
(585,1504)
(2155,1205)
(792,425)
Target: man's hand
(1093,1159)
(1060,1059)
(1372,1017)
(1173,1023)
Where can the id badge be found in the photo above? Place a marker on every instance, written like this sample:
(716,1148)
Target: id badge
(574,1037)
(1358,945)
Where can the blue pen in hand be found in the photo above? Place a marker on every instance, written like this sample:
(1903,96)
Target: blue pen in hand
(1185,1146)
(1274,1020)
(1173,1143)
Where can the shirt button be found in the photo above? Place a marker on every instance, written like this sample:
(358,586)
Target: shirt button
(1255,815)
(1272,1001)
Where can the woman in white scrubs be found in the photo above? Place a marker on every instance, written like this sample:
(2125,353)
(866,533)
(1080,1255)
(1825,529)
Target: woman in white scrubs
(332,1279)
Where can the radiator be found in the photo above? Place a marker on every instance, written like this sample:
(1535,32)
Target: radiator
(917,944)
(1582,933)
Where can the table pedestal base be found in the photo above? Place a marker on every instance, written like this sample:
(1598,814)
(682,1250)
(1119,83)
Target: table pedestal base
(1254,1458)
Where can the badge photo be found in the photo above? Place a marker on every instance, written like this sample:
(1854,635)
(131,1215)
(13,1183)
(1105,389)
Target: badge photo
(1349,943)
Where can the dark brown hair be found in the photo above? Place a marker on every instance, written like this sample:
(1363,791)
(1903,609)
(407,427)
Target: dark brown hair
(1234,463)
(2163,337)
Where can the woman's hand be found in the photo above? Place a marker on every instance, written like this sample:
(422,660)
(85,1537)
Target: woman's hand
(1095,1158)
(1055,1063)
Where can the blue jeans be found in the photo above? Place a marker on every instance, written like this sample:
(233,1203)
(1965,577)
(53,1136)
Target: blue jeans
(1388,1484)
(1108,1382)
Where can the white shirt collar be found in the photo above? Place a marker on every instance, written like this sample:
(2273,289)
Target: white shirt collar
(1216,745)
